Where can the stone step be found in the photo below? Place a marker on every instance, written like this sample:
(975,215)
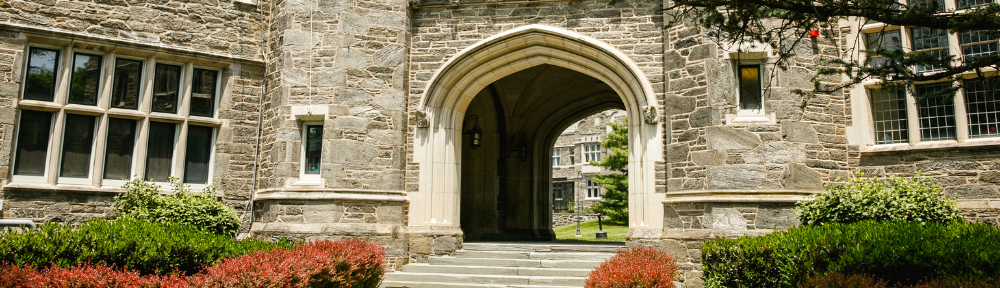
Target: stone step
(485,279)
(569,264)
(588,256)
(485,270)
(610,247)
(411,284)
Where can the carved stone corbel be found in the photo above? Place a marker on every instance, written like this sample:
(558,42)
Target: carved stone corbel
(422,120)
(649,114)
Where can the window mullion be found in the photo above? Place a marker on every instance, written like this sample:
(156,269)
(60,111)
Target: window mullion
(97,156)
(55,148)
(147,91)
(180,152)
(64,76)
(104,100)
(955,48)
(912,118)
(139,162)
(961,117)
(184,98)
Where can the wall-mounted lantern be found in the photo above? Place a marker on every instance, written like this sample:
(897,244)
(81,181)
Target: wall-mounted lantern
(476,133)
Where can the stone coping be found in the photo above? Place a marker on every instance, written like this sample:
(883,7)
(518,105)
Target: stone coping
(331,194)
(931,145)
(708,234)
(56,33)
(979,204)
(338,229)
(740,196)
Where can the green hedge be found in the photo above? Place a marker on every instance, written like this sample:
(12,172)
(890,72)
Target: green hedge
(899,252)
(150,248)
(879,199)
(142,200)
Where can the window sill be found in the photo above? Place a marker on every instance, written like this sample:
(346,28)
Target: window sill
(758,119)
(932,145)
(61,187)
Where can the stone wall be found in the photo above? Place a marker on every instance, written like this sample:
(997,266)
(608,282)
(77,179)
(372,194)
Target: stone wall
(563,219)
(315,219)
(968,175)
(802,144)
(346,64)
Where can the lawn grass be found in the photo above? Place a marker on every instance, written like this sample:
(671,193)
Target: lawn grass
(616,232)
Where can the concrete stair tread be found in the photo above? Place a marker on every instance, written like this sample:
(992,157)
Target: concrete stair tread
(412,284)
(574,264)
(519,271)
(591,256)
(611,247)
(485,279)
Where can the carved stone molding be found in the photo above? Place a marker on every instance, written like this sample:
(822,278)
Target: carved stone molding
(422,121)
(649,114)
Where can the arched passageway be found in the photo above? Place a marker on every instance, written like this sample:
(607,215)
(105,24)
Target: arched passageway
(543,79)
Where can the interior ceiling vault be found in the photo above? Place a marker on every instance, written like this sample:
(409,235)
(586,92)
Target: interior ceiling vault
(546,93)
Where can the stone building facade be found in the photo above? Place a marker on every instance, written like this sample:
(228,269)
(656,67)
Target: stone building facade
(572,175)
(424,124)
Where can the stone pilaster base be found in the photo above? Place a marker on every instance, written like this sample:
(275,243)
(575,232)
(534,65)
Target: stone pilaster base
(426,241)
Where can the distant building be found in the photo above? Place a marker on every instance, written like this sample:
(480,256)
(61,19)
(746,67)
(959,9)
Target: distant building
(574,149)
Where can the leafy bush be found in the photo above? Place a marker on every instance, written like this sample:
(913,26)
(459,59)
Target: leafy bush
(899,252)
(96,276)
(837,280)
(142,200)
(351,263)
(149,248)
(635,267)
(865,198)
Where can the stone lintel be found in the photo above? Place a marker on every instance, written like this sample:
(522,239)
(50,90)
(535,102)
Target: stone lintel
(310,112)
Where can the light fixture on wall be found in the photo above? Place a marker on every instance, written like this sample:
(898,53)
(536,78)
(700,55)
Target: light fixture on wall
(476,133)
(519,145)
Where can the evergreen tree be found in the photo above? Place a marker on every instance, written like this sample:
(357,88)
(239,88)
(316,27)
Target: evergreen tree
(615,183)
(786,24)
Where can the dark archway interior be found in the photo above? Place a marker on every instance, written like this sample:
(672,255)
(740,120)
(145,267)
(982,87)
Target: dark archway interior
(506,181)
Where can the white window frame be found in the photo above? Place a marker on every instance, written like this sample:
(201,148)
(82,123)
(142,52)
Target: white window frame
(102,110)
(556,157)
(307,179)
(864,132)
(593,189)
(211,159)
(740,112)
(98,120)
(592,155)
(48,153)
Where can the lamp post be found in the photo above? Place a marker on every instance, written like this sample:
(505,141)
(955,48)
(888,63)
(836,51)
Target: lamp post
(577,199)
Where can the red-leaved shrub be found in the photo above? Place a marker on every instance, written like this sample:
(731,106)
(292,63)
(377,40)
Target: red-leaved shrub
(83,276)
(838,280)
(636,267)
(350,263)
